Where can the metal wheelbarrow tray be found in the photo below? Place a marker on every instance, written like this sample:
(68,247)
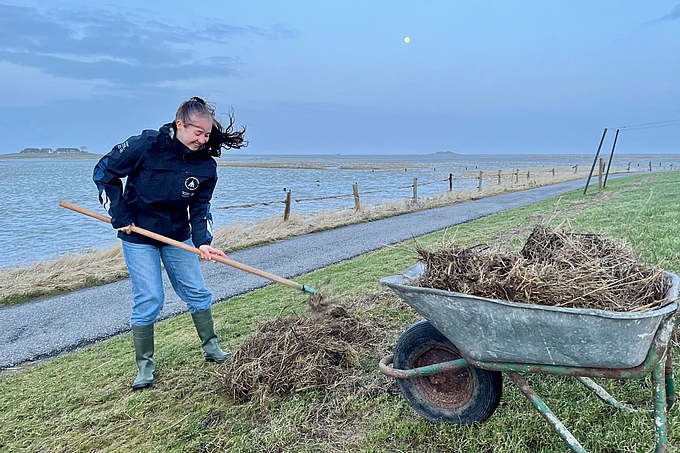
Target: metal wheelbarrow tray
(501,331)
(449,365)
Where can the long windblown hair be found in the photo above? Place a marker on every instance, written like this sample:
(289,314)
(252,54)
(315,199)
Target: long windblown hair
(220,136)
(225,137)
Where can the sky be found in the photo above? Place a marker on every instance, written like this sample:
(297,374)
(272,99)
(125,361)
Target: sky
(337,77)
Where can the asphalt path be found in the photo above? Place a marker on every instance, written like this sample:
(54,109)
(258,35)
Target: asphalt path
(48,327)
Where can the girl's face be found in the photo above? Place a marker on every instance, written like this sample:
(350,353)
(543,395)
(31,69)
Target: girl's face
(195,133)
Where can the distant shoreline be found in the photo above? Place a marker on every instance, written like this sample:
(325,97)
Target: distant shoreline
(321,166)
(50,156)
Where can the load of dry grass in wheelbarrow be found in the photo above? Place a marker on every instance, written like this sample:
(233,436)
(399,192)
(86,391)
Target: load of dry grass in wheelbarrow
(296,353)
(555,267)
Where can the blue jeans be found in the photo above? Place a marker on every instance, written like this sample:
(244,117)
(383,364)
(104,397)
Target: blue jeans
(144,264)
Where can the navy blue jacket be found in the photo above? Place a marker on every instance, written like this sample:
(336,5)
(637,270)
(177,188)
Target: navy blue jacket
(168,187)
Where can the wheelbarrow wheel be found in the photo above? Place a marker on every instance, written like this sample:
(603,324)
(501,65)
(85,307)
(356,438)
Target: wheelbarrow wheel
(462,397)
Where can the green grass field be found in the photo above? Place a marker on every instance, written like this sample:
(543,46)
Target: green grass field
(82,402)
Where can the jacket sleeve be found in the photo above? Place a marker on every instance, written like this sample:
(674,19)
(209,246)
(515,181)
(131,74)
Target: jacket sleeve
(120,162)
(200,216)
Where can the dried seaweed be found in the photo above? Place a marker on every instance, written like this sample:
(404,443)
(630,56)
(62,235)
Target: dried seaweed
(295,353)
(556,268)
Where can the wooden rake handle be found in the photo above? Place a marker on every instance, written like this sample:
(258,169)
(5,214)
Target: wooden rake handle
(167,240)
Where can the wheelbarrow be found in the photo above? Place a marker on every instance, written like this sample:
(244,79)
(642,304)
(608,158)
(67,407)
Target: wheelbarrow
(449,366)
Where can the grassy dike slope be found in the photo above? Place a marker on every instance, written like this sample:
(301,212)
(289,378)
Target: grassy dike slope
(82,401)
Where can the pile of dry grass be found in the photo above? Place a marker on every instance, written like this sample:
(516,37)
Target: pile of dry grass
(68,273)
(295,353)
(556,268)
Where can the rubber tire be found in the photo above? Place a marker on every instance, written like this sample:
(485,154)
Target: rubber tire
(461,397)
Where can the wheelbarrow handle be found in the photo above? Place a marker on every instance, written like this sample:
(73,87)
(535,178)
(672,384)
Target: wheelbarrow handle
(167,240)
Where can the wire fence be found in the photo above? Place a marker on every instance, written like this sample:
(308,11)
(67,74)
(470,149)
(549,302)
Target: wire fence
(483,179)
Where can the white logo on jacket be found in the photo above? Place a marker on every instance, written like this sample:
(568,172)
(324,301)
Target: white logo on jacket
(191,183)
(123,146)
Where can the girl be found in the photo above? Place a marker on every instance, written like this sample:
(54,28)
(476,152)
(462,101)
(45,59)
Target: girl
(171,175)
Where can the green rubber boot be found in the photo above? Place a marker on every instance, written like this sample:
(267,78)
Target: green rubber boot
(206,331)
(143,339)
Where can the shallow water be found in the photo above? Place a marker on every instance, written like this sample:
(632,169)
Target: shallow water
(34,227)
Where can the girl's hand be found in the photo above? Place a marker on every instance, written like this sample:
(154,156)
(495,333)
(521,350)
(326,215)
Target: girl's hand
(127,229)
(207,252)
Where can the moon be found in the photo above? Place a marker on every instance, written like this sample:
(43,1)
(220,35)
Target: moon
(407,40)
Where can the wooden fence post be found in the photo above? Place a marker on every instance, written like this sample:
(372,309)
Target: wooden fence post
(650,166)
(499,177)
(599,175)
(355,190)
(415,190)
(480,181)
(286,211)
(450,182)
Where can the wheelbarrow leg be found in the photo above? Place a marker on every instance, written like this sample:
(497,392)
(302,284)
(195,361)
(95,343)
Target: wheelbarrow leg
(606,397)
(546,412)
(660,419)
(670,382)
